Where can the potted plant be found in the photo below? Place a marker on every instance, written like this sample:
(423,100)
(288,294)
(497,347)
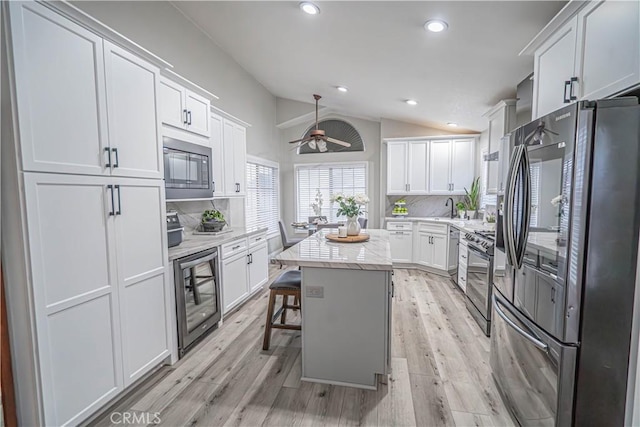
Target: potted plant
(351,207)
(212,220)
(473,197)
(461,207)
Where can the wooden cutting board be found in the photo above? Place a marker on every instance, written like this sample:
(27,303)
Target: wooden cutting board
(349,239)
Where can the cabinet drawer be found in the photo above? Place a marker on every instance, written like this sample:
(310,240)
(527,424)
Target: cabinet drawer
(257,239)
(428,227)
(462,281)
(232,248)
(406,226)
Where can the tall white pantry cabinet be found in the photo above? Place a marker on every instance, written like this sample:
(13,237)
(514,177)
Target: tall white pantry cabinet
(89,233)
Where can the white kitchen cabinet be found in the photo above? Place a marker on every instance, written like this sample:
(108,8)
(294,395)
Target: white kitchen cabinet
(451,166)
(440,251)
(134,129)
(184,109)
(608,48)
(417,173)
(235,158)
(235,288)
(61,102)
(100,299)
(463,259)
(553,65)
(401,243)
(217,151)
(432,250)
(502,120)
(594,54)
(258,266)
(397,167)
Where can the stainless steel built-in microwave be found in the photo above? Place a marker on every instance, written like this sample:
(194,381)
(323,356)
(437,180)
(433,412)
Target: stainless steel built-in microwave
(187,170)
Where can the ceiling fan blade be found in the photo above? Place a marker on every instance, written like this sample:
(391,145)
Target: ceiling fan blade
(295,147)
(337,141)
(299,140)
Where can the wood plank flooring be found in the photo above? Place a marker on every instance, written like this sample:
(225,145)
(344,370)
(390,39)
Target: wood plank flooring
(440,372)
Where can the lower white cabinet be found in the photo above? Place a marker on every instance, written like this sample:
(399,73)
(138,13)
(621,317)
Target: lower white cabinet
(245,269)
(432,250)
(98,254)
(401,243)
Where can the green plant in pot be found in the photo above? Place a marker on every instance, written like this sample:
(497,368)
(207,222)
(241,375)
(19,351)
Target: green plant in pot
(472,199)
(213,220)
(462,209)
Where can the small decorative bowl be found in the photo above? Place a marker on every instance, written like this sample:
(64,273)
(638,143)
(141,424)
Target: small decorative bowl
(213,226)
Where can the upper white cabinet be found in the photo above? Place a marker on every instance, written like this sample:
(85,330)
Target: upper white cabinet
(217,151)
(61,103)
(502,120)
(594,54)
(235,158)
(407,167)
(184,109)
(134,129)
(451,165)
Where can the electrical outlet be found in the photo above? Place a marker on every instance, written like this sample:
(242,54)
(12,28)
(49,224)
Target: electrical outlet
(315,291)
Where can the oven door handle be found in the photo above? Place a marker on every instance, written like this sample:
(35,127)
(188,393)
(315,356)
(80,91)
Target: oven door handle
(479,253)
(195,262)
(535,341)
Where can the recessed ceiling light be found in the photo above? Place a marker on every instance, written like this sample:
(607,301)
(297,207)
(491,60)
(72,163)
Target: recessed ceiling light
(342,88)
(435,25)
(452,124)
(309,8)
(411,102)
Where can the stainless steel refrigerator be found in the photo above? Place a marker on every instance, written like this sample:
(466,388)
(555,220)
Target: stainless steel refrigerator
(569,225)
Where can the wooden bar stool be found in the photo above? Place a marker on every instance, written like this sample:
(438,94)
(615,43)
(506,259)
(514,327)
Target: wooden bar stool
(287,284)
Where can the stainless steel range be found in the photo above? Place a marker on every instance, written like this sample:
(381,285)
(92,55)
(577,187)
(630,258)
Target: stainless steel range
(480,277)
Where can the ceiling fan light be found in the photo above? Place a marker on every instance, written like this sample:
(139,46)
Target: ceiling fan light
(312,144)
(322,146)
(310,8)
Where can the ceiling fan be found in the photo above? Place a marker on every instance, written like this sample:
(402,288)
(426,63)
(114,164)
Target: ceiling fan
(317,138)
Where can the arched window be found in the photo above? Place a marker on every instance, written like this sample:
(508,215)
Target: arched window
(338,129)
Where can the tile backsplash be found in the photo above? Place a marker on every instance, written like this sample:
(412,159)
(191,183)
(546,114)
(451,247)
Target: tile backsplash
(424,206)
(190,212)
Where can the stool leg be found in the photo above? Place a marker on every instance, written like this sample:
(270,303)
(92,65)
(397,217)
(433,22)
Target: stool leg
(296,301)
(267,326)
(285,302)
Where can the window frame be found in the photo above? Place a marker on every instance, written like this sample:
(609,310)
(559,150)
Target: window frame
(270,164)
(297,166)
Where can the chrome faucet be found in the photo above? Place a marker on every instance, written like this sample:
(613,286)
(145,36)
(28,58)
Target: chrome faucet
(452,204)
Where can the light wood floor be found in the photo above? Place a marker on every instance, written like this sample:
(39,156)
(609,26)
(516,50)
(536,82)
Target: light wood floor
(441,373)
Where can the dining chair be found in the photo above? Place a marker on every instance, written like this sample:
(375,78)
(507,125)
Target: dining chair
(287,241)
(363,222)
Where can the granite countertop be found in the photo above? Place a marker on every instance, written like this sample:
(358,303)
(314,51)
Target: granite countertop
(464,225)
(317,251)
(194,243)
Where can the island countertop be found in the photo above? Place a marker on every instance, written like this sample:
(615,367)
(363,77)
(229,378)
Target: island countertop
(317,251)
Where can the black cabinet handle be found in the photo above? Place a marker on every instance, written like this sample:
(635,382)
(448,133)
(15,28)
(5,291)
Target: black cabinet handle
(119,211)
(237,187)
(189,117)
(250,258)
(567,84)
(213,183)
(108,151)
(112,212)
(115,151)
(572,97)
(185,120)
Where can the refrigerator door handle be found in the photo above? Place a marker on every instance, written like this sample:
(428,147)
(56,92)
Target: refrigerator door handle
(535,341)
(526,209)
(508,208)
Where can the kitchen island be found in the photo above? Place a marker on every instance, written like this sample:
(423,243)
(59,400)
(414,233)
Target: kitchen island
(346,308)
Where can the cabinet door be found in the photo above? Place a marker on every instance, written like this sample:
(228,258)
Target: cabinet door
(258,267)
(230,187)
(401,243)
(548,304)
(496,132)
(424,250)
(198,114)
(608,51)
(240,159)
(462,165)
(75,294)
(417,173)
(396,167)
(503,162)
(141,249)
(440,251)
(440,167)
(234,281)
(59,76)
(218,163)
(553,64)
(134,129)
(172,107)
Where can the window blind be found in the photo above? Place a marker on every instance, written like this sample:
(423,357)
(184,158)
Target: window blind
(262,203)
(329,179)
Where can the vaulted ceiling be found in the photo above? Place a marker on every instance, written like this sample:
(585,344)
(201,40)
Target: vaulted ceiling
(381,52)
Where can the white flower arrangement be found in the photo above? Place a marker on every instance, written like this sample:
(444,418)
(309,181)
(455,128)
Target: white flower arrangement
(350,206)
(317,206)
(557,201)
